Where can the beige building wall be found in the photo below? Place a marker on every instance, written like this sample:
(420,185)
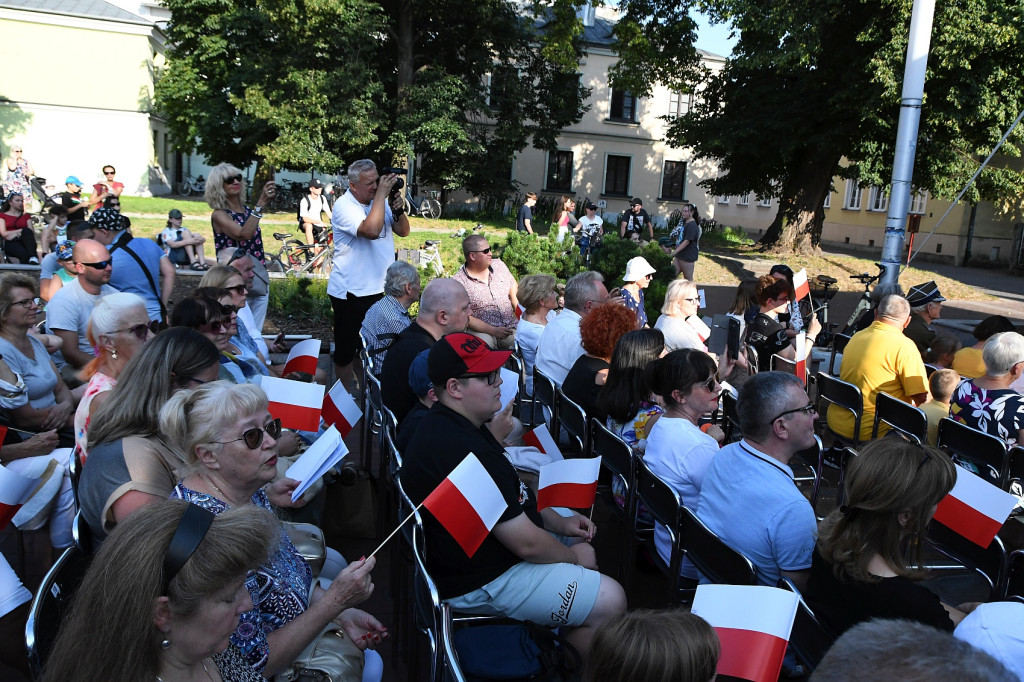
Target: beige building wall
(85,101)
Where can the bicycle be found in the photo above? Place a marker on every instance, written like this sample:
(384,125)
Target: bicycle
(297,257)
(825,295)
(864,304)
(429,255)
(192,185)
(428,207)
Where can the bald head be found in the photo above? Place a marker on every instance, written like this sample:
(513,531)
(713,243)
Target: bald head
(90,251)
(87,254)
(444,307)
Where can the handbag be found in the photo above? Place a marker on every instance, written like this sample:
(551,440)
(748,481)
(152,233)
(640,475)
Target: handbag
(330,657)
(309,542)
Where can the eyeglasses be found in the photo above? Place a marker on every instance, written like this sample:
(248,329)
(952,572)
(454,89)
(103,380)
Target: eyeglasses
(232,179)
(695,299)
(99,265)
(233,309)
(491,377)
(140,330)
(487,250)
(28,302)
(238,289)
(254,437)
(808,408)
(715,380)
(197,380)
(114,204)
(216,326)
(108,172)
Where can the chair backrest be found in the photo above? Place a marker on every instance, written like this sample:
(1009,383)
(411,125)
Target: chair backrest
(839,342)
(427,608)
(986,452)
(50,605)
(373,393)
(810,639)
(573,418)
(1015,575)
(988,562)
(75,473)
(666,507)
(904,417)
(929,370)
(716,561)
(615,453)
(843,395)
(778,363)
(730,418)
(545,391)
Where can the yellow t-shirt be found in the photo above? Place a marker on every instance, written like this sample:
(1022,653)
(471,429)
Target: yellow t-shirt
(879,359)
(968,363)
(936,412)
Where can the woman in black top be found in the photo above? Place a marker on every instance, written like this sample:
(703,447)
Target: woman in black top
(860,569)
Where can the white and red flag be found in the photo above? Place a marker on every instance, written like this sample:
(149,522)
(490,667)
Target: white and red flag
(296,403)
(975,508)
(467,503)
(800,342)
(800,285)
(753,623)
(541,439)
(15,490)
(340,409)
(568,483)
(303,357)
(519,311)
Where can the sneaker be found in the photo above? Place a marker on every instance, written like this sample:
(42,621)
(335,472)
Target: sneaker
(33,260)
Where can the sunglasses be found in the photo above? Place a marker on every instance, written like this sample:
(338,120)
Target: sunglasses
(217,326)
(487,250)
(807,409)
(238,289)
(108,172)
(712,381)
(233,309)
(140,330)
(99,265)
(232,179)
(254,437)
(28,302)
(491,377)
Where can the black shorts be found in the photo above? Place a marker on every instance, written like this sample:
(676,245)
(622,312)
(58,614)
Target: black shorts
(348,319)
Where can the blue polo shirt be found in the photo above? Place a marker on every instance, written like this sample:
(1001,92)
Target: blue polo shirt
(128,276)
(751,502)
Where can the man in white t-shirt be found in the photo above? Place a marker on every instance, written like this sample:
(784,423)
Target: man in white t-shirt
(311,210)
(364,228)
(590,227)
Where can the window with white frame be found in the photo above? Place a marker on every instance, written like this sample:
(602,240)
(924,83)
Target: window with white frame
(828,200)
(624,106)
(764,202)
(853,193)
(723,199)
(616,175)
(559,176)
(919,201)
(877,199)
(673,180)
(743,199)
(499,84)
(679,103)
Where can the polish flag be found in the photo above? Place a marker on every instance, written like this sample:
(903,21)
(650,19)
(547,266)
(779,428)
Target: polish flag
(303,357)
(296,403)
(519,311)
(541,439)
(15,490)
(975,508)
(803,290)
(340,409)
(753,623)
(467,503)
(568,483)
(801,357)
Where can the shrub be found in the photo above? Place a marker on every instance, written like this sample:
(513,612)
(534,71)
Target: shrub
(299,297)
(528,255)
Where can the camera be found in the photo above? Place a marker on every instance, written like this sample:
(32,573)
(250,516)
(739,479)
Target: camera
(388,170)
(396,189)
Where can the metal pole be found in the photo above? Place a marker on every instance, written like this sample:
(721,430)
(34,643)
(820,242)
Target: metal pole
(906,137)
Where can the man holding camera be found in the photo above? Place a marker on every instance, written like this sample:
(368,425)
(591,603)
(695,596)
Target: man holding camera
(365,221)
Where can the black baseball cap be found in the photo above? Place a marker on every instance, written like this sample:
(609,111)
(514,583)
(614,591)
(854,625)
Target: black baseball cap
(636,201)
(316,183)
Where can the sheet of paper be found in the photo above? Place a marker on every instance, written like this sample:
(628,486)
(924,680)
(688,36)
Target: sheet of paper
(703,301)
(322,455)
(509,386)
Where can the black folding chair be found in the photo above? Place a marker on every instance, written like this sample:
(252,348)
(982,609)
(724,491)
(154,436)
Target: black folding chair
(546,392)
(901,416)
(51,603)
(1015,576)
(809,639)
(988,562)
(807,465)
(985,452)
(373,427)
(573,418)
(730,418)
(715,560)
(666,507)
(843,396)
(839,342)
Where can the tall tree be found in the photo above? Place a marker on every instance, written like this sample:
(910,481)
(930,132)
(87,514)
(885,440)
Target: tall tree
(318,83)
(813,82)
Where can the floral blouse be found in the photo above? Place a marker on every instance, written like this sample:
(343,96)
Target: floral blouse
(999,412)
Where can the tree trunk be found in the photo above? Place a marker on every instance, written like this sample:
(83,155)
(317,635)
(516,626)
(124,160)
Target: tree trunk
(797,225)
(406,68)
(263,174)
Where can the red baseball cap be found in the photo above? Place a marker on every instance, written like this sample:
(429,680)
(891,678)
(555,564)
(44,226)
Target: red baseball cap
(458,354)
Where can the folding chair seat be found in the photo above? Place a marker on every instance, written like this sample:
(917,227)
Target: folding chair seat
(715,560)
(777,363)
(990,563)
(904,417)
(573,419)
(810,639)
(545,391)
(986,453)
(50,605)
(666,507)
(839,342)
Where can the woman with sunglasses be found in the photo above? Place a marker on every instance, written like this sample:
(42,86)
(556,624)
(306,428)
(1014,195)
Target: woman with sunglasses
(236,225)
(118,327)
(865,563)
(168,600)
(678,451)
(230,442)
(678,320)
(637,278)
(130,463)
(211,319)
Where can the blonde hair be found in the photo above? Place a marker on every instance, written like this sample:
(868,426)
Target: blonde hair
(215,195)
(218,277)
(677,290)
(533,289)
(942,383)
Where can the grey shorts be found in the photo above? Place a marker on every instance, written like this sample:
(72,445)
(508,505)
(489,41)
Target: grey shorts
(546,594)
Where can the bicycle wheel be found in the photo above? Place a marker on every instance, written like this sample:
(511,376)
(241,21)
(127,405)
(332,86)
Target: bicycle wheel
(273,263)
(430,208)
(292,255)
(184,188)
(408,207)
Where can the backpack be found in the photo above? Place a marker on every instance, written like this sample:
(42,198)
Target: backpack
(298,212)
(516,653)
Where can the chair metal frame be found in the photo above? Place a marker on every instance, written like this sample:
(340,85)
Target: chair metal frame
(1015,576)
(546,391)
(573,418)
(523,399)
(50,604)
(981,449)
(989,562)
(666,506)
(374,426)
(901,416)
(845,396)
(729,567)
(839,342)
(810,638)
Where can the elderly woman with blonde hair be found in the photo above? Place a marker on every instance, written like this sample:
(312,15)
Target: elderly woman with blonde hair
(538,297)
(678,320)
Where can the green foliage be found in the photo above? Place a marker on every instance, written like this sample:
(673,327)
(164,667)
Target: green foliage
(300,297)
(527,255)
(725,237)
(610,260)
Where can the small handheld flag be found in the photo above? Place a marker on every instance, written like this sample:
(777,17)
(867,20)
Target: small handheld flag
(340,409)
(467,503)
(296,403)
(303,357)
(975,508)
(568,483)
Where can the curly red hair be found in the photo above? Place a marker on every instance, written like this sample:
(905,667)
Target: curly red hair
(602,328)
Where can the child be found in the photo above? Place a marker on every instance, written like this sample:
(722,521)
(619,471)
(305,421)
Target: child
(942,383)
(181,245)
